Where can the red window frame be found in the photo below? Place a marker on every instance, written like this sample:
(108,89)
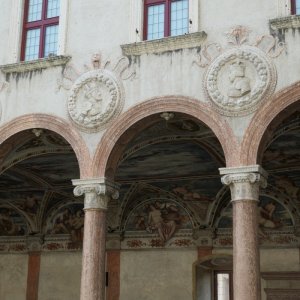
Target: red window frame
(167,25)
(293,7)
(42,24)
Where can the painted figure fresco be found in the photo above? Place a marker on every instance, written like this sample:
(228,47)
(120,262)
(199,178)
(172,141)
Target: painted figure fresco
(271,215)
(11,223)
(163,218)
(69,220)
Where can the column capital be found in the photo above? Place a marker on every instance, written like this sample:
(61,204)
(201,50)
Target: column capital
(97,192)
(34,243)
(245,181)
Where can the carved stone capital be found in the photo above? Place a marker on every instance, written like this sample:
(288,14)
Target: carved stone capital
(97,192)
(244,182)
(34,243)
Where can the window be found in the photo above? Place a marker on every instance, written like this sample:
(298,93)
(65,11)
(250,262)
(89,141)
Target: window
(223,285)
(295,7)
(165,18)
(40,32)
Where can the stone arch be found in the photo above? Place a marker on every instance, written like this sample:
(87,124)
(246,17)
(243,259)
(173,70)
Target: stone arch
(120,129)
(55,124)
(265,121)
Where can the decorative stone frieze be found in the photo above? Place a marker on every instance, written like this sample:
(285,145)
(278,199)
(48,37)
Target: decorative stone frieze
(97,192)
(285,22)
(171,43)
(241,75)
(244,182)
(33,65)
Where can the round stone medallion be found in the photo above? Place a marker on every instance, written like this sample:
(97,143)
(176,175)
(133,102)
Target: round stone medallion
(239,79)
(96,97)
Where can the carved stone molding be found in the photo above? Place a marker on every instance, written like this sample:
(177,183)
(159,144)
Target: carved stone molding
(33,65)
(97,192)
(280,275)
(283,294)
(34,243)
(95,98)
(244,182)
(172,43)
(285,22)
(238,79)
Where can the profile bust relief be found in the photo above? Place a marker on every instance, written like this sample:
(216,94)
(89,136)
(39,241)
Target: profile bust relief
(240,84)
(238,79)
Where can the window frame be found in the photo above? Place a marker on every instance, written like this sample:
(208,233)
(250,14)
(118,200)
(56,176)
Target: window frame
(167,16)
(39,24)
(294,8)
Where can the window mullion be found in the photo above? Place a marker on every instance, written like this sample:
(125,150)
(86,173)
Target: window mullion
(44,9)
(167,17)
(42,41)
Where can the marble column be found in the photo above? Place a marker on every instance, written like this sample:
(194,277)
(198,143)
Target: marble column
(97,193)
(244,183)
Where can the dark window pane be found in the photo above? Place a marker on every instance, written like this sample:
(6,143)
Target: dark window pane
(51,40)
(179,17)
(32,44)
(53,8)
(156,21)
(35,10)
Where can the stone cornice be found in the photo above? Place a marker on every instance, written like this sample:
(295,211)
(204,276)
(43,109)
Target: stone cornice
(34,65)
(280,275)
(171,43)
(285,22)
(97,192)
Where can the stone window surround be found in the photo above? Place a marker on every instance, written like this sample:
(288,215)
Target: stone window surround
(16,29)
(34,65)
(137,13)
(285,22)
(171,43)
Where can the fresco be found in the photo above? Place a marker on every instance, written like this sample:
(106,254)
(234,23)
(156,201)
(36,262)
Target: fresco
(272,215)
(35,181)
(160,217)
(68,220)
(11,222)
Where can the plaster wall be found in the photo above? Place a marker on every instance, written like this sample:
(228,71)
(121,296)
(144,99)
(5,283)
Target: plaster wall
(279,260)
(144,274)
(13,276)
(6,7)
(60,276)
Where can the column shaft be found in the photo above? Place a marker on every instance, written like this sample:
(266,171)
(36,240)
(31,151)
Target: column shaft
(93,256)
(246,274)
(245,183)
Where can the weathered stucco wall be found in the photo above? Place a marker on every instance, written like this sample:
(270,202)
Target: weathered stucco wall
(60,276)
(279,260)
(157,275)
(13,276)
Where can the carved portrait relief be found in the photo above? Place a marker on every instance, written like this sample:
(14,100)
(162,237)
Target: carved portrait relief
(95,98)
(238,79)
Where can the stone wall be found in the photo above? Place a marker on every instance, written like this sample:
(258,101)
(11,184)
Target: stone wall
(157,274)
(13,276)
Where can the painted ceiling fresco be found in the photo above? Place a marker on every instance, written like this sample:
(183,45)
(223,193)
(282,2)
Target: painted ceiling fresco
(35,183)
(170,187)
